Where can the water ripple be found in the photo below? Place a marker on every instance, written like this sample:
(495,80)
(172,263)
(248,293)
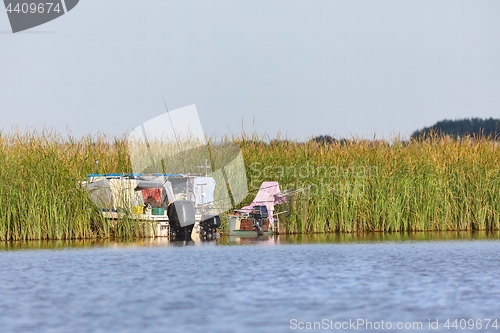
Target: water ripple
(249,288)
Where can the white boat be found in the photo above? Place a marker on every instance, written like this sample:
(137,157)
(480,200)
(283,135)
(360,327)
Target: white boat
(182,202)
(175,205)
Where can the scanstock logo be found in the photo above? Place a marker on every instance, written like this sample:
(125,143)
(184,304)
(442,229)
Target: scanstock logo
(26,14)
(175,143)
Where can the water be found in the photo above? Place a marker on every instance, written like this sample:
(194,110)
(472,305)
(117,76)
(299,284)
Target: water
(238,285)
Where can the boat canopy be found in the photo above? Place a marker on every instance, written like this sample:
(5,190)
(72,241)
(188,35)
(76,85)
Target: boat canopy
(116,191)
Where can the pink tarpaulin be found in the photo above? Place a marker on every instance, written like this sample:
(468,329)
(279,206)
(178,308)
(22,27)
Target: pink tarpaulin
(267,196)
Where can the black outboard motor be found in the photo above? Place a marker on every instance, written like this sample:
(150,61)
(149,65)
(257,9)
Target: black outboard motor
(208,226)
(259,214)
(181,216)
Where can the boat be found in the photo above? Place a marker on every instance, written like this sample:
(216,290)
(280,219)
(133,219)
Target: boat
(262,217)
(179,206)
(167,188)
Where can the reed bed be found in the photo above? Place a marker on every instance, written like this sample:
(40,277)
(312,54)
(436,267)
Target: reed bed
(39,193)
(356,186)
(359,186)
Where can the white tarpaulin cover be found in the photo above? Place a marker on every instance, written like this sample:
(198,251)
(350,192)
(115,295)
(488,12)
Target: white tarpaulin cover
(114,193)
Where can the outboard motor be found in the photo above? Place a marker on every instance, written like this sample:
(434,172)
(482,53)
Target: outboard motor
(208,226)
(259,214)
(181,216)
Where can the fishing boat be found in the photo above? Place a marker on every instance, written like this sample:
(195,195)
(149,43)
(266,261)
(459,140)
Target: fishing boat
(174,205)
(261,217)
(167,187)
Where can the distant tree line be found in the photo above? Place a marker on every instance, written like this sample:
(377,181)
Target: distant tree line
(461,128)
(327,139)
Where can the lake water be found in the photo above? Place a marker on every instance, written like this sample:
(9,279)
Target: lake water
(372,282)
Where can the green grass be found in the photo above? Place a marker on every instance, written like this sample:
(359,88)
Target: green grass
(437,184)
(39,193)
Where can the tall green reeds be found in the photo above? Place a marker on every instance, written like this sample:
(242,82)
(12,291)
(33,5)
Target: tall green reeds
(354,186)
(39,193)
(436,184)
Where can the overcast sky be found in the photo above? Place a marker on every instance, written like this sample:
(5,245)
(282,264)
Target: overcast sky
(300,67)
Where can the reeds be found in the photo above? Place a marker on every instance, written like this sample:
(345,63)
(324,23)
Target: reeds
(354,186)
(39,193)
(358,186)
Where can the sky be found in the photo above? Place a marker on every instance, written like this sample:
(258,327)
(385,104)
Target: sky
(301,68)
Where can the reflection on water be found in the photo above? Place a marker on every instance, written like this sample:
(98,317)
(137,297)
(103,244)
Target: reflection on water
(391,237)
(276,239)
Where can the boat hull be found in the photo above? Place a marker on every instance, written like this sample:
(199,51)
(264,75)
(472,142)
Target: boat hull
(249,234)
(244,226)
(159,224)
